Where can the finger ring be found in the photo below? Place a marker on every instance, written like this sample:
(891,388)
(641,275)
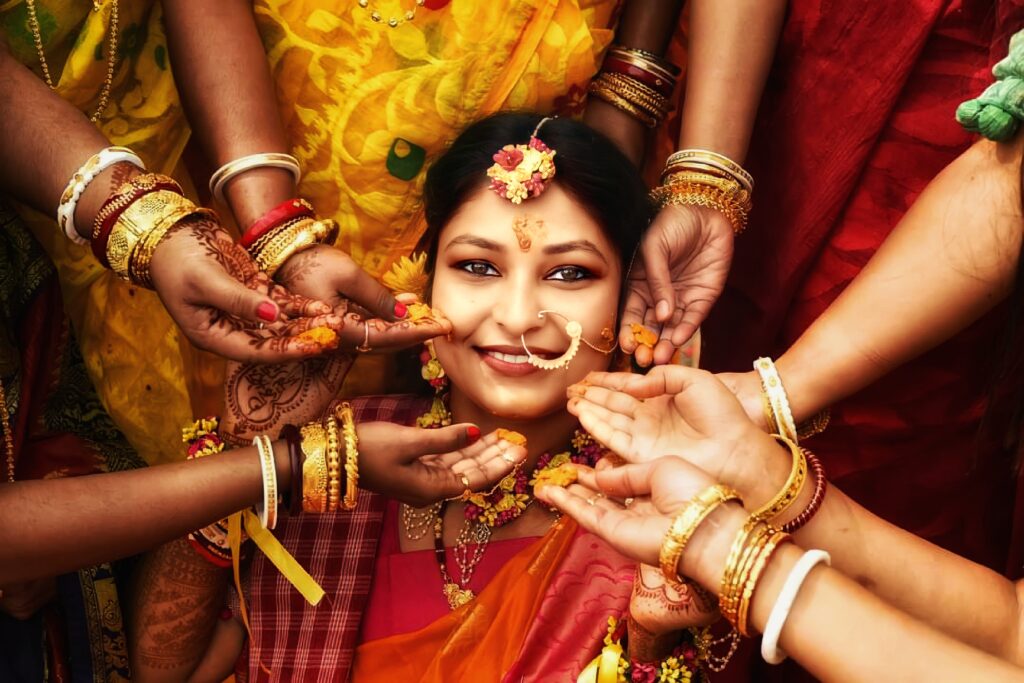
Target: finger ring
(627,502)
(261,326)
(507,457)
(593,500)
(365,346)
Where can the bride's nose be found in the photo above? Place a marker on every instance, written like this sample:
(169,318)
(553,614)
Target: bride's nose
(517,308)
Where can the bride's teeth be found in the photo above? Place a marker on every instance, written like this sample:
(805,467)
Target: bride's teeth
(508,357)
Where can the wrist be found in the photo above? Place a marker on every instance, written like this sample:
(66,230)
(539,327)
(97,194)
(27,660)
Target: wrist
(647,645)
(708,548)
(98,191)
(252,193)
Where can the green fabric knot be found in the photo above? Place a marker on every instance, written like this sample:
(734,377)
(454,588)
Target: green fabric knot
(997,113)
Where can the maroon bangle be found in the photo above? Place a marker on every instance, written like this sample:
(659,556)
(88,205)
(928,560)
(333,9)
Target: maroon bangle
(820,485)
(285,211)
(293,438)
(650,79)
(124,198)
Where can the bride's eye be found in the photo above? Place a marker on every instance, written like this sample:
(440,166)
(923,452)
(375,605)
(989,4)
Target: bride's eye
(478,268)
(570,274)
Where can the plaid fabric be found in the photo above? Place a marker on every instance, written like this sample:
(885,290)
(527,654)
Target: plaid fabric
(298,642)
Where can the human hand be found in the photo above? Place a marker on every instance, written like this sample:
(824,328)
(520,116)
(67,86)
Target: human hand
(660,607)
(224,304)
(660,489)
(326,273)
(420,467)
(746,386)
(22,600)
(673,410)
(679,273)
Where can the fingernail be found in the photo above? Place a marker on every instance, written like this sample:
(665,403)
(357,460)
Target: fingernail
(400,309)
(473,433)
(267,311)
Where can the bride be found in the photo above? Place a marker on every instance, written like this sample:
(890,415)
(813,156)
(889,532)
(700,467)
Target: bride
(531,227)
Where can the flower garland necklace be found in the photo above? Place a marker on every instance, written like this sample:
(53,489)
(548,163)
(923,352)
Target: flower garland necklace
(503,504)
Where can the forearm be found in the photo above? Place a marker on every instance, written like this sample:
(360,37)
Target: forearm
(837,629)
(950,260)
(645,25)
(960,598)
(43,142)
(57,525)
(730,52)
(225,85)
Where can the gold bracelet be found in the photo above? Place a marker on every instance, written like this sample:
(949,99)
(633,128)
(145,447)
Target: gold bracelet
(731,562)
(701,194)
(348,430)
(314,468)
(754,576)
(754,542)
(727,185)
(605,93)
(685,524)
(794,484)
(333,465)
(151,212)
(778,401)
(637,92)
(284,245)
(127,193)
(814,426)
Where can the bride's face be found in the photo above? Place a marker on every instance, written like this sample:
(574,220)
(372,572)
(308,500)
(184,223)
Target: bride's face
(498,266)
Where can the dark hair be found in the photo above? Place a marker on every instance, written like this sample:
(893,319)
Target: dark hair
(587,165)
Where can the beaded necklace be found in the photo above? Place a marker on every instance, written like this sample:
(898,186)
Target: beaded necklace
(503,504)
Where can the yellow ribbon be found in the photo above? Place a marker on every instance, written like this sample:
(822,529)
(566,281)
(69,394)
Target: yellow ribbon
(604,668)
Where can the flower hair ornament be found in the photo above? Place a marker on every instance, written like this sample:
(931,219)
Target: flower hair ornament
(522,171)
(575,332)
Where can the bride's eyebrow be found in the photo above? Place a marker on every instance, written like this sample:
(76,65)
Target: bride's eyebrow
(575,245)
(475,241)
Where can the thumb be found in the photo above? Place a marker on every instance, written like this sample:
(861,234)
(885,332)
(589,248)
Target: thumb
(221,291)
(435,441)
(659,280)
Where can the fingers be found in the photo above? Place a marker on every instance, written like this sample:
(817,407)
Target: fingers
(372,296)
(595,412)
(659,277)
(220,291)
(296,305)
(611,400)
(633,313)
(627,481)
(380,335)
(618,440)
(411,443)
(281,343)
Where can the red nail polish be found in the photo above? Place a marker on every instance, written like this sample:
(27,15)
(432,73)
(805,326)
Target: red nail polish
(267,311)
(400,309)
(473,433)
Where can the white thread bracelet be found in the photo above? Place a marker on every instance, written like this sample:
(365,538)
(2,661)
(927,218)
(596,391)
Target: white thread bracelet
(76,186)
(267,510)
(238,166)
(770,650)
(778,401)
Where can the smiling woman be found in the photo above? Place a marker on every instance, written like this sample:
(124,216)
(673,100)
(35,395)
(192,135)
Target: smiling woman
(491,585)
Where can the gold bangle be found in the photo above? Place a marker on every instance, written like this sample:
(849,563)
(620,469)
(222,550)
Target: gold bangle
(348,429)
(602,92)
(142,257)
(755,542)
(637,92)
(127,193)
(726,600)
(333,465)
(764,554)
(314,468)
(727,185)
(685,524)
(700,194)
(284,245)
(148,213)
(794,484)
(778,401)
(814,426)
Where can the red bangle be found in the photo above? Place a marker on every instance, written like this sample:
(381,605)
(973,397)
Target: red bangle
(652,80)
(285,211)
(117,203)
(820,484)
(293,438)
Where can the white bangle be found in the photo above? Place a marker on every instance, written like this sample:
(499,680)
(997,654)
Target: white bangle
(96,164)
(778,401)
(267,510)
(770,650)
(236,167)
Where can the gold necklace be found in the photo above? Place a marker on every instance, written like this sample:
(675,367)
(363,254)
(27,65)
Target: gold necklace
(108,82)
(393,21)
(8,434)
(418,521)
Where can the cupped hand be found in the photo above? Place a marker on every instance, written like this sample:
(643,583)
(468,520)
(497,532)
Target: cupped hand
(638,530)
(673,410)
(662,607)
(224,304)
(678,274)
(420,467)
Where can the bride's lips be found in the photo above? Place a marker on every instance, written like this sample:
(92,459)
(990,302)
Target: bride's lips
(511,360)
